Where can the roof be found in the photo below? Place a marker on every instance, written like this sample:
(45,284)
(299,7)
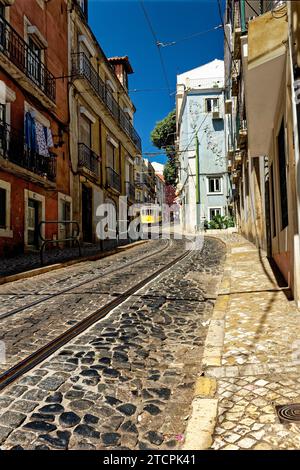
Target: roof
(159,176)
(158,167)
(121,60)
(211,70)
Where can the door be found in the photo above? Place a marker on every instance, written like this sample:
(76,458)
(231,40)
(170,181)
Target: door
(87,214)
(33,223)
(34,56)
(65,229)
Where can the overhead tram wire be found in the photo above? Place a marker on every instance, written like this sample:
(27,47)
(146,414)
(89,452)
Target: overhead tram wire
(173,43)
(157,44)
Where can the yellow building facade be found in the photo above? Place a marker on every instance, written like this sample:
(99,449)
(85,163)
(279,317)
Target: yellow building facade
(103,141)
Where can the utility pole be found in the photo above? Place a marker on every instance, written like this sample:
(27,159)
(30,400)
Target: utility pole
(197,184)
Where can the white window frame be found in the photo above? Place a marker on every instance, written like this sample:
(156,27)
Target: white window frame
(213,108)
(63,198)
(38,197)
(214,208)
(217,193)
(6,232)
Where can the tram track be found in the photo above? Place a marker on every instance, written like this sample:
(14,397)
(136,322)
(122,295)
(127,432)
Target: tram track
(25,365)
(82,283)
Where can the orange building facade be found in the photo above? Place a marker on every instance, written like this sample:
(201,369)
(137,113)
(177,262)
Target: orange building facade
(34,154)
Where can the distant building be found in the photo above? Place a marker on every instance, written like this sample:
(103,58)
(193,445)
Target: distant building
(203,184)
(160,189)
(144,180)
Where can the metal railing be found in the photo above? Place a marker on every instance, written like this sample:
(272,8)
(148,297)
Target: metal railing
(130,190)
(13,46)
(113,179)
(82,68)
(71,237)
(13,148)
(88,159)
(268,5)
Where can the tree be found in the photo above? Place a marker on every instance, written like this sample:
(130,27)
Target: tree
(163,137)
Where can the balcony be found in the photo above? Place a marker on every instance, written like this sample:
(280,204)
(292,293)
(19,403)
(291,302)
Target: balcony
(87,159)
(82,68)
(13,46)
(13,149)
(113,179)
(130,191)
(269,5)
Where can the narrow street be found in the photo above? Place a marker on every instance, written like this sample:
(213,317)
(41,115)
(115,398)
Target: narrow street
(128,380)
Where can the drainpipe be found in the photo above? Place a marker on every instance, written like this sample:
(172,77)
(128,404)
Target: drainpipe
(197,185)
(297,167)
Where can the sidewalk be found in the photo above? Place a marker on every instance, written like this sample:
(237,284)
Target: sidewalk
(32,260)
(251,361)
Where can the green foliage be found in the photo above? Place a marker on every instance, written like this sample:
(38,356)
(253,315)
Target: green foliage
(170,173)
(163,137)
(219,222)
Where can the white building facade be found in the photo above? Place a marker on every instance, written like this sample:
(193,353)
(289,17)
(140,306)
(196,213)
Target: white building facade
(204,189)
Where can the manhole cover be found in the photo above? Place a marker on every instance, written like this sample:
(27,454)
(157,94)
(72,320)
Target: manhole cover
(288,413)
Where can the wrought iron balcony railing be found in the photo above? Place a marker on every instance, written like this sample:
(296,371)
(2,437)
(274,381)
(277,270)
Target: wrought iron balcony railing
(82,68)
(13,46)
(130,191)
(88,159)
(14,149)
(268,5)
(113,179)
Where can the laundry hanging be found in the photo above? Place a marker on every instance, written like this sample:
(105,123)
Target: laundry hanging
(38,138)
(42,147)
(30,132)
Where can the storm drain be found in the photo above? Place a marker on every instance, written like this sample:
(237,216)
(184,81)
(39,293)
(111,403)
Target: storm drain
(288,413)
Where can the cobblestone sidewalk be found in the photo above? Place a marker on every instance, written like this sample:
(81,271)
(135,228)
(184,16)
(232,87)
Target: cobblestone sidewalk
(256,367)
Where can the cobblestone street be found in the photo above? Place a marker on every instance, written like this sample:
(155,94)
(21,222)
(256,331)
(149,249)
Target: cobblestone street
(126,382)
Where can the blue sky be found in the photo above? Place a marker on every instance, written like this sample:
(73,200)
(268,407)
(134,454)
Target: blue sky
(121,29)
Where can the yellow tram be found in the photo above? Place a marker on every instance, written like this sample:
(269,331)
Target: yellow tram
(151,214)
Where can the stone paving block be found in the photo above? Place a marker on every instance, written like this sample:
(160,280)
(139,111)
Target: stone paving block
(257,356)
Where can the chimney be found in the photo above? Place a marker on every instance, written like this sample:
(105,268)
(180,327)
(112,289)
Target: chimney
(122,68)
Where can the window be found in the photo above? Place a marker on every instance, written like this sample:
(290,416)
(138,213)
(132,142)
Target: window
(2,113)
(83,6)
(272,183)
(111,156)
(2,11)
(215,185)
(85,131)
(34,56)
(212,105)
(5,201)
(2,127)
(3,208)
(214,211)
(282,176)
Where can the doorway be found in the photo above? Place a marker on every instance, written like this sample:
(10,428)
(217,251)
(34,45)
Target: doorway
(87,214)
(34,218)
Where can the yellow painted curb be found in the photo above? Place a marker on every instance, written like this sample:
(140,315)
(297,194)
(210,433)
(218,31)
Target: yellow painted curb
(200,428)
(205,387)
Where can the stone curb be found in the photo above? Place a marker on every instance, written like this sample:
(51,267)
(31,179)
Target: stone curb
(54,267)
(201,424)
